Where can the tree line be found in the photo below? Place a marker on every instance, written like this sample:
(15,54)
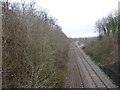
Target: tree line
(108,26)
(104,49)
(34,48)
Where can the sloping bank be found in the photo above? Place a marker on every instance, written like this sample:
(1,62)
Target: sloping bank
(104,52)
(34,48)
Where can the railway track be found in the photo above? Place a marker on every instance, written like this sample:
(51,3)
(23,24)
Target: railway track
(83,73)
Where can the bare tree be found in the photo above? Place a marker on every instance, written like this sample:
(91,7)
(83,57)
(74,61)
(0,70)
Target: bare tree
(109,25)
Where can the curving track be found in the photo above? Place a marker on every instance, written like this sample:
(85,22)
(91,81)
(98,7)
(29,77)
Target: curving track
(83,73)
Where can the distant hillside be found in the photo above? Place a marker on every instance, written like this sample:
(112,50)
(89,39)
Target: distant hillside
(83,40)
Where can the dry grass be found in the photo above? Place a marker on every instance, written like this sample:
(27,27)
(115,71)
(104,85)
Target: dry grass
(103,51)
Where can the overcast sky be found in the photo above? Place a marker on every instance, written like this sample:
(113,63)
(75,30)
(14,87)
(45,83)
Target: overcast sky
(77,17)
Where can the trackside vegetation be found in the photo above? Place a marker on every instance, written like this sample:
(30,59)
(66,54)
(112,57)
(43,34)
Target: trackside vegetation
(35,50)
(104,50)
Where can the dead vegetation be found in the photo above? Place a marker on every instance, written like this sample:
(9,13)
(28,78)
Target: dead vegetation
(34,48)
(105,49)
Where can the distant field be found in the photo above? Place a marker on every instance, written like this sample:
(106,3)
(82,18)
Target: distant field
(83,40)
